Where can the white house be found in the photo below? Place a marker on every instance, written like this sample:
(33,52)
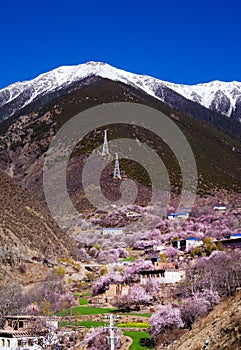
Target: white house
(112,231)
(193,242)
(235,236)
(187,244)
(162,276)
(132,214)
(159,248)
(220,207)
(182,215)
(28,332)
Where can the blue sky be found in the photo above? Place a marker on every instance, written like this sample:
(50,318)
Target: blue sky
(179,41)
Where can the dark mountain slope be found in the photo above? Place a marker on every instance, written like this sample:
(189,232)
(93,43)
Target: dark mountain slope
(25,138)
(231,126)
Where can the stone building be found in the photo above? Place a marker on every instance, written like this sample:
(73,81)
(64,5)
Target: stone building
(114,290)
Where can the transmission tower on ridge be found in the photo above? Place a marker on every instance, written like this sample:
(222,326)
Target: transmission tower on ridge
(105,149)
(117,168)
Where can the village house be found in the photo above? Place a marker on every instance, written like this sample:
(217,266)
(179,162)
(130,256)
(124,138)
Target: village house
(219,207)
(112,231)
(233,241)
(187,244)
(159,248)
(132,214)
(37,333)
(31,332)
(193,242)
(113,291)
(153,252)
(235,236)
(159,265)
(163,272)
(162,275)
(182,215)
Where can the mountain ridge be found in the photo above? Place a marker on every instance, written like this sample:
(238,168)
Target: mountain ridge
(225,102)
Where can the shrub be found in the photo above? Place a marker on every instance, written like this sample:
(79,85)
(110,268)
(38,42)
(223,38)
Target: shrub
(22,268)
(77,267)
(60,270)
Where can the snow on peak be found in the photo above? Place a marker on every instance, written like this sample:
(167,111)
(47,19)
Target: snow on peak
(207,93)
(63,76)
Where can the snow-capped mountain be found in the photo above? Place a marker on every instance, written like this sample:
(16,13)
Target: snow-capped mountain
(63,76)
(40,107)
(221,97)
(217,95)
(25,92)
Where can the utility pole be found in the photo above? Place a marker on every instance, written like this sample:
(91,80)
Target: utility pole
(117,168)
(105,149)
(112,333)
(111,329)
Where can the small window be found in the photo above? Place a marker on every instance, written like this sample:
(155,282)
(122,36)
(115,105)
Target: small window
(30,342)
(8,343)
(20,342)
(2,342)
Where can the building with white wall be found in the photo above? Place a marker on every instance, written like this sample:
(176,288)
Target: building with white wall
(28,332)
(162,276)
(182,215)
(112,231)
(187,244)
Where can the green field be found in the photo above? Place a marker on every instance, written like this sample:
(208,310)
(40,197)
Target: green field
(136,337)
(135,314)
(84,310)
(130,258)
(90,324)
(87,324)
(83,301)
(133,325)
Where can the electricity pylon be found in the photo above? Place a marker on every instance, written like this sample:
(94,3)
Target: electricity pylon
(117,168)
(105,149)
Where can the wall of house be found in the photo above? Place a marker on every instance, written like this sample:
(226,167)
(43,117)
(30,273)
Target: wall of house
(170,276)
(20,343)
(116,290)
(173,276)
(192,244)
